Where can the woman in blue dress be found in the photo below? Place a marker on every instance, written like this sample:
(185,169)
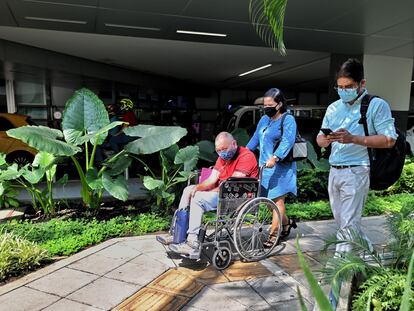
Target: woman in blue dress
(278,178)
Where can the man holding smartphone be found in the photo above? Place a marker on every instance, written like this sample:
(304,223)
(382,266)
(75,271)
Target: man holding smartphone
(349,174)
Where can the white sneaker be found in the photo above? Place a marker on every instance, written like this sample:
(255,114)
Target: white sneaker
(190,249)
(165,239)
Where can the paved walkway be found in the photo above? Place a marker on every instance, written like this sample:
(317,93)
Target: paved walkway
(137,273)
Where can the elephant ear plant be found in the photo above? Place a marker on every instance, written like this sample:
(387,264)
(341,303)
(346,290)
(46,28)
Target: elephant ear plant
(86,123)
(176,167)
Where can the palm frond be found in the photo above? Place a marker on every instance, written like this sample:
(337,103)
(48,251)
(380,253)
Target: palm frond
(267,17)
(301,300)
(359,244)
(408,292)
(344,267)
(316,290)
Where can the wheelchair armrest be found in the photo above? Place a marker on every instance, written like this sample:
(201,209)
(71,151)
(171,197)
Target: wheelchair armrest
(241,179)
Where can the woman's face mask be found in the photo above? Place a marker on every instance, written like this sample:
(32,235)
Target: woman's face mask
(271,107)
(270,111)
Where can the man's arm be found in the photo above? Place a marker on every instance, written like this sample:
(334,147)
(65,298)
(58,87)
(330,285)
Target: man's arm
(323,140)
(209,183)
(373,141)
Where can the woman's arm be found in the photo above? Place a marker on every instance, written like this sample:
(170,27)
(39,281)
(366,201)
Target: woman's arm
(254,141)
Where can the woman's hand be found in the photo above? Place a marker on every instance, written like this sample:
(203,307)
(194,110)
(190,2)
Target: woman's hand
(271,162)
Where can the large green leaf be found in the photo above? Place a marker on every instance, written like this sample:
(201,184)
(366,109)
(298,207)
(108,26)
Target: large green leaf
(187,156)
(119,164)
(118,187)
(170,153)
(153,138)
(84,114)
(2,159)
(151,183)
(43,159)
(267,17)
(207,150)
(241,136)
(93,136)
(33,175)
(44,138)
(94,182)
(12,172)
(2,188)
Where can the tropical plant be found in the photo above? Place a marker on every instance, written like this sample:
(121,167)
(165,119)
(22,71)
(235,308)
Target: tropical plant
(86,123)
(382,291)
(8,192)
(176,167)
(18,254)
(44,164)
(8,195)
(405,303)
(349,265)
(267,16)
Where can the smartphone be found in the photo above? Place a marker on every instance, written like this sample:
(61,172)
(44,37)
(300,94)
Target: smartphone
(326,131)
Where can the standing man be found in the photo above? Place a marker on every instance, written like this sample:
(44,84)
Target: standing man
(349,174)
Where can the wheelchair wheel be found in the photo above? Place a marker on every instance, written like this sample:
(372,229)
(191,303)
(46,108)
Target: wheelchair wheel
(221,258)
(252,228)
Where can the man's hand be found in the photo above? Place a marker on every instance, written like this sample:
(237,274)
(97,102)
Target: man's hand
(341,136)
(271,162)
(192,193)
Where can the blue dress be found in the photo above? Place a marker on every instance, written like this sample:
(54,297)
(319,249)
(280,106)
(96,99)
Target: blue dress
(281,179)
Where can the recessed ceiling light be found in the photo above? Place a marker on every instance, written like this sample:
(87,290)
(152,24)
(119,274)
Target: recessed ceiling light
(254,70)
(132,27)
(199,33)
(55,20)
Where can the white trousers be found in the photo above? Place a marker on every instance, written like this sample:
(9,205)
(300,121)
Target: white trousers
(348,191)
(203,201)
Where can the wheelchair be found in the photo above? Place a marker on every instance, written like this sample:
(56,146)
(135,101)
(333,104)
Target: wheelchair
(242,224)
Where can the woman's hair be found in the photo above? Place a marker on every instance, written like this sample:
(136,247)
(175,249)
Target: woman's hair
(352,69)
(278,97)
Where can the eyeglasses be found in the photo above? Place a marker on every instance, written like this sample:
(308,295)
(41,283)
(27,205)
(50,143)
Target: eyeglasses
(346,88)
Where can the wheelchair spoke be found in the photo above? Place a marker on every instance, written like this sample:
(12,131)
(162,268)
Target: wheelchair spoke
(252,228)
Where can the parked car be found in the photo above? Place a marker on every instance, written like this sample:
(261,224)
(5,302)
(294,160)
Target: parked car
(16,151)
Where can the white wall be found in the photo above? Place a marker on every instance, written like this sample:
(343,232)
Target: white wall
(390,78)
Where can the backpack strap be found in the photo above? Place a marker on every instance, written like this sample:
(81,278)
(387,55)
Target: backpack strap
(366,100)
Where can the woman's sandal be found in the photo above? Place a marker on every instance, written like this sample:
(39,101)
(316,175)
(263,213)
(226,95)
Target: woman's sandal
(270,241)
(287,227)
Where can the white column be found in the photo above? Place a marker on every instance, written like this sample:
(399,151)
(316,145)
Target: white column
(11,103)
(390,78)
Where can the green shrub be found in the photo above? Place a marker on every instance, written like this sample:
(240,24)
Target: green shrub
(18,254)
(312,185)
(406,182)
(65,237)
(384,290)
(375,205)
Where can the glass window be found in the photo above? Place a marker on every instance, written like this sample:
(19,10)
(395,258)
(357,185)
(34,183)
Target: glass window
(29,93)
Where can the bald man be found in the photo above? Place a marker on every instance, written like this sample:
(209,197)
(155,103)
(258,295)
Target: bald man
(233,161)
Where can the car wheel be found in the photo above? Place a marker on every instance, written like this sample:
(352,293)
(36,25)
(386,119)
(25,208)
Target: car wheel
(20,158)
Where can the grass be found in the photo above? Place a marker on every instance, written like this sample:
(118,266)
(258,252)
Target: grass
(66,237)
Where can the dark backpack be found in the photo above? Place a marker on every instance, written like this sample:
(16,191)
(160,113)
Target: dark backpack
(386,163)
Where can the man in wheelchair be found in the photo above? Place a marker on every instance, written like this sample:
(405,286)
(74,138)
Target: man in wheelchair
(233,161)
